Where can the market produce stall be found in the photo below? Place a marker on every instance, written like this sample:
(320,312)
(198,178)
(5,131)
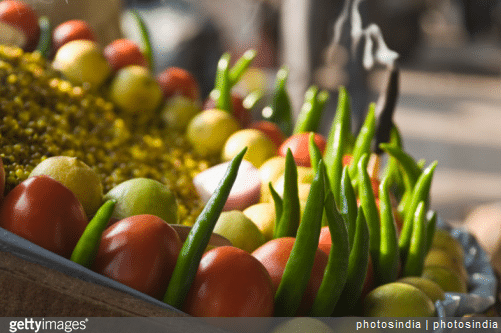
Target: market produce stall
(130,182)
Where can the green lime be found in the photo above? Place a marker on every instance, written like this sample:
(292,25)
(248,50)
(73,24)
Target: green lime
(397,299)
(440,257)
(449,280)
(179,110)
(208,131)
(442,239)
(429,287)
(239,230)
(81,179)
(144,196)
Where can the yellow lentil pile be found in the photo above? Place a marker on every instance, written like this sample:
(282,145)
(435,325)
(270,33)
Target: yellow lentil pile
(43,115)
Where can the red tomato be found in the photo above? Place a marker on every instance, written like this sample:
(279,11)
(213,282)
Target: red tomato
(240,113)
(23,18)
(230,283)
(274,255)
(178,81)
(71,30)
(46,213)
(347,159)
(139,251)
(299,145)
(271,130)
(124,52)
(325,241)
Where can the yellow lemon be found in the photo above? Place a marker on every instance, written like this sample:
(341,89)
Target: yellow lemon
(259,147)
(239,230)
(208,131)
(263,216)
(270,171)
(81,179)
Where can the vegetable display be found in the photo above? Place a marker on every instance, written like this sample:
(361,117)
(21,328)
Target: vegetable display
(334,244)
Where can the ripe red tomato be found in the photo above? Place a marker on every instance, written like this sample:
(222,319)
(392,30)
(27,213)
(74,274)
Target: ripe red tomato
(230,283)
(124,52)
(240,113)
(325,241)
(299,145)
(46,213)
(271,130)
(23,18)
(178,81)
(139,251)
(71,30)
(274,255)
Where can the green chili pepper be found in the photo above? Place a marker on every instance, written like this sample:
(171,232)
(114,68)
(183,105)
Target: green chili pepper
(392,170)
(198,237)
(315,153)
(45,40)
(417,250)
(250,101)
(335,274)
(239,68)
(411,169)
(85,251)
(368,202)
(357,268)
(222,87)
(145,40)
(288,221)
(279,204)
(430,229)
(337,143)
(311,112)
(420,193)
(348,206)
(300,264)
(280,110)
(388,251)
(364,140)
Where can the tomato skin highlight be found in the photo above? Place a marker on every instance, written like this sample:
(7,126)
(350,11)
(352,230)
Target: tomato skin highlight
(139,251)
(71,30)
(274,255)
(230,283)
(45,212)
(178,81)
(23,17)
(299,146)
(124,52)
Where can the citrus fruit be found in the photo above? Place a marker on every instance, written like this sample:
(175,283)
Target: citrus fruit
(397,299)
(259,146)
(140,196)
(208,131)
(440,257)
(239,230)
(269,172)
(134,90)
(303,324)
(429,287)
(448,280)
(263,216)
(77,176)
(82,61)
(179,110)
(442,239)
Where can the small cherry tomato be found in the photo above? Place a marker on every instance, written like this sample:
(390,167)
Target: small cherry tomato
(274,255)
(71,30)
(46,213)
(19,25)
(230,283)
(240,113)
(178,81)
(124,52)
(299,145)
(139,251)
(271,130)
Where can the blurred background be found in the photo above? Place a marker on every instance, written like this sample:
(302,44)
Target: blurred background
(449,107)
